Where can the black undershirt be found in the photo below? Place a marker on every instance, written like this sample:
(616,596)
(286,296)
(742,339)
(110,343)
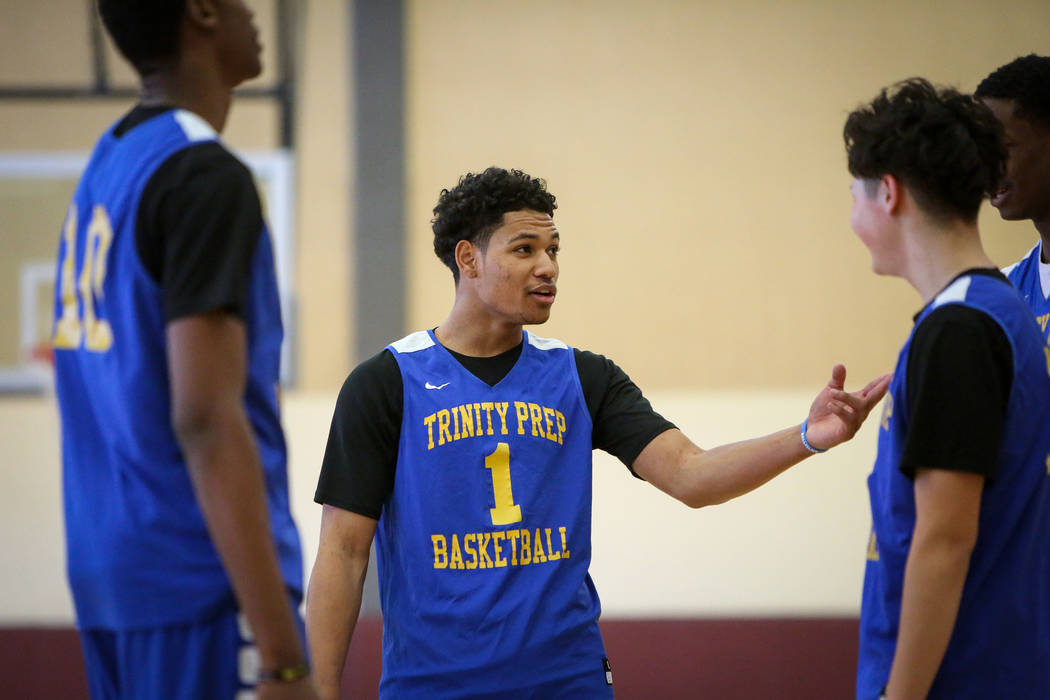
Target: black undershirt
(357,473)
(197,226)
(960,373)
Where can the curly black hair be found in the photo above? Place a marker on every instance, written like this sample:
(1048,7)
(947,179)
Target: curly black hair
(946,147)
(1025,81)
(474,208)
(145,31)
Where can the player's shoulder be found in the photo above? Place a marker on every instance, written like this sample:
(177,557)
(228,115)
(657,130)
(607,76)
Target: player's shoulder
(541,343)
(974,285)
(972,306)
(413,342)
(212,157)
(204,166)
(381,363)
(589,358)
(201,151)
(1017,269)
(379,373)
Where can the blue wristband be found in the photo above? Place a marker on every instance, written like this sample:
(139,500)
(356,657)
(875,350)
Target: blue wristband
(805,442)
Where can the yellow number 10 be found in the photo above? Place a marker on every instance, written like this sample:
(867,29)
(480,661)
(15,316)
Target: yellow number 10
(70,331)
(498,463)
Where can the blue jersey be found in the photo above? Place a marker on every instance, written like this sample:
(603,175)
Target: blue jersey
(1025,275)
(484,545)
(1000,646)
(139,553)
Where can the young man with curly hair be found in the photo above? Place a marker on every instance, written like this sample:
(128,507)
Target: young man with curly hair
(1018,93)
(465,451)
(183,560)
(956,586)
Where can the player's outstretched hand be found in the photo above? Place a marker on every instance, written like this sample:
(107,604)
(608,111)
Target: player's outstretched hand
(302,689)
(836,415)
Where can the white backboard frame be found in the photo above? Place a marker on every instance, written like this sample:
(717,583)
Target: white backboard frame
(275,171)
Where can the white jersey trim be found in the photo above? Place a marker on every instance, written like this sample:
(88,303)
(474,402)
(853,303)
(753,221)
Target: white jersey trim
(956,291)
(545,343)
(420,340)
(1044,272)
(195,128)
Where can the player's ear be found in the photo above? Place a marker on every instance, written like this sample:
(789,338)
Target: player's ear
(890,193)
(203,14)
(467,259)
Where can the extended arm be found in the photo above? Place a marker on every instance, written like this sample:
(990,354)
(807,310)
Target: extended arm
(334,598)
(947,505)
(698,477)
(207,365)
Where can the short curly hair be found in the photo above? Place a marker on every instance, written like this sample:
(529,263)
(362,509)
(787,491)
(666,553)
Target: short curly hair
(145,31)
(474,208)
(1026,82)
(946,147)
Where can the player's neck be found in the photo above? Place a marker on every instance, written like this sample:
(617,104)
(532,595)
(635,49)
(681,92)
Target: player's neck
(474,333)
(192,87)
(936,257)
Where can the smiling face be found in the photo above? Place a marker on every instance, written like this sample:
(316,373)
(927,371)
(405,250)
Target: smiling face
(1025,191)
(515,275)
(872,223)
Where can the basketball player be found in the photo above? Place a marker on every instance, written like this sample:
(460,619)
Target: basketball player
(466,452)
(183,560)
(956,586)
(1018,93)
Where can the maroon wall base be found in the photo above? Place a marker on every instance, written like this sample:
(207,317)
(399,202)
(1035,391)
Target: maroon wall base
(668,659)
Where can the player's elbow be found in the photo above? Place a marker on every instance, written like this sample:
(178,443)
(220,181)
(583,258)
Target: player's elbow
(950,538)
(701,500)
(698,496)
(195,422)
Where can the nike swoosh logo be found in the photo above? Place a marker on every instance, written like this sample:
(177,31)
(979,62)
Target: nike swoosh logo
(428,385)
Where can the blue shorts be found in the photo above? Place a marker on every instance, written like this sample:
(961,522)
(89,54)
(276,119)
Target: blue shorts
(215,658)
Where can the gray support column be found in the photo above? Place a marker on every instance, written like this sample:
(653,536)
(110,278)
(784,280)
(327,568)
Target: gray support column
(379,196)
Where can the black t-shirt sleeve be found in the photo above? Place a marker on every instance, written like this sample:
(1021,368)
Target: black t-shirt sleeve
(197,229)
(357,473)
(624,420)
(960,370)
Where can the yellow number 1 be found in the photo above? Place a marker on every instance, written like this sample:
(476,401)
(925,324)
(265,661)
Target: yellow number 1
(96,333)
(498,463)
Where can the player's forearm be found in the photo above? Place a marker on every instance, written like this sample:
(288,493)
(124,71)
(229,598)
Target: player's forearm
(933,582)
(725,472)
(333,604)
(227,477)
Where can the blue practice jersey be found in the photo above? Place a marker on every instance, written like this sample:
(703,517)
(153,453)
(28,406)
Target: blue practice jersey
(1025,275)
(1000,646)
(139,553)
(484,545)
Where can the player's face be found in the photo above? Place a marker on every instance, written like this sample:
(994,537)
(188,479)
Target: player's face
(239,42)
(869,221)
(1025,191)
(518,270)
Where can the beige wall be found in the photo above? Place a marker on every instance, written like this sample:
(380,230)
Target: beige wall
(696,152)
